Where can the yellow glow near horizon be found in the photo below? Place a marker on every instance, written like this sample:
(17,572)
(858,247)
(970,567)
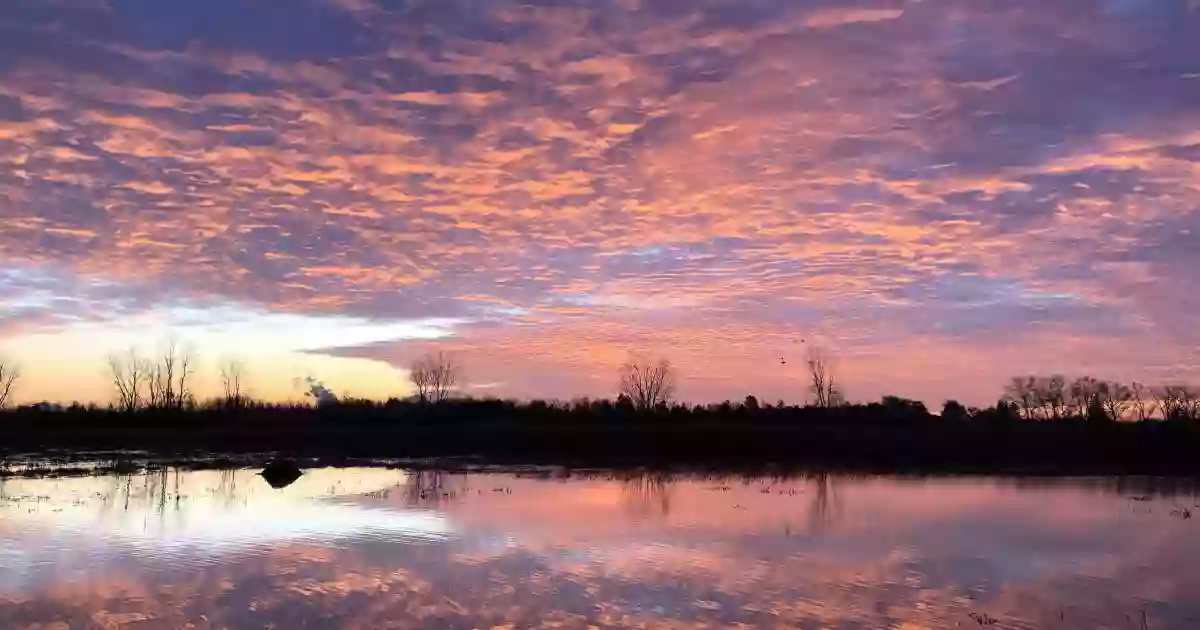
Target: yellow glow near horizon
(278,351)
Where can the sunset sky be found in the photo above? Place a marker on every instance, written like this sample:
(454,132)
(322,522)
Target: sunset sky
(940,193)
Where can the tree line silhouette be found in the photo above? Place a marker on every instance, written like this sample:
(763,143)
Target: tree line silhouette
(1050,423)
(1056,398)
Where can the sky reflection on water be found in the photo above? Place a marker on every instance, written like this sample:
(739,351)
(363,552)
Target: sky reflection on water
(379,548)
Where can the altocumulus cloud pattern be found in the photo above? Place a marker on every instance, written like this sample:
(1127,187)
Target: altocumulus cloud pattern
(944,192)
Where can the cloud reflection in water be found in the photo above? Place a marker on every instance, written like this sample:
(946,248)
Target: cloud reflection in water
(374,548)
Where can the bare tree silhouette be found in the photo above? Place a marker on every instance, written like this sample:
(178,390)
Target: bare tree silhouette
(823,378)
(1084,394)
(434,376)
(168,377)
(9,373)
(1022,391)
(130,374)
(1053,395)
(1046,398)
(232,372)
(1142,401)
(161,383)
(1054,398)
(1178,402)
(1116,399)
(647,382)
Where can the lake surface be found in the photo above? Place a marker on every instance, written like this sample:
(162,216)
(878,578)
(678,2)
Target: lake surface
(373,548)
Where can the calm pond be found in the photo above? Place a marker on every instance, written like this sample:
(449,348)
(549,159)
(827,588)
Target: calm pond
(372,548)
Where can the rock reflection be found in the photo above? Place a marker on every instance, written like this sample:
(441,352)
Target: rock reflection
(281,474)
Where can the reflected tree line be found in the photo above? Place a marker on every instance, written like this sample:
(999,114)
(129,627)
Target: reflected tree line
(651,495)
(644,495)
(160,491)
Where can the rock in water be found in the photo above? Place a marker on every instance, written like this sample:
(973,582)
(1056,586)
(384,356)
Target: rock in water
(281,474)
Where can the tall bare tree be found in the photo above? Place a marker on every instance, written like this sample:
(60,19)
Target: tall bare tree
(1142,401)
(1191,399)
(1052,395)
(1178,402)
(434,376)
(168,377)
(1022,390)
(646,382)
(1190,402)
(1083,394)
(1167,399)
(822,376)
(232,382)
(1116,399)
(130,374)
(9,373)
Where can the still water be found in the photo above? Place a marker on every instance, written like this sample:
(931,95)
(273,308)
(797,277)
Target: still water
(373,548)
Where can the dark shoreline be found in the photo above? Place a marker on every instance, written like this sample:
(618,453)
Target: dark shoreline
(869,438)
(60,465)
(1067,450)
